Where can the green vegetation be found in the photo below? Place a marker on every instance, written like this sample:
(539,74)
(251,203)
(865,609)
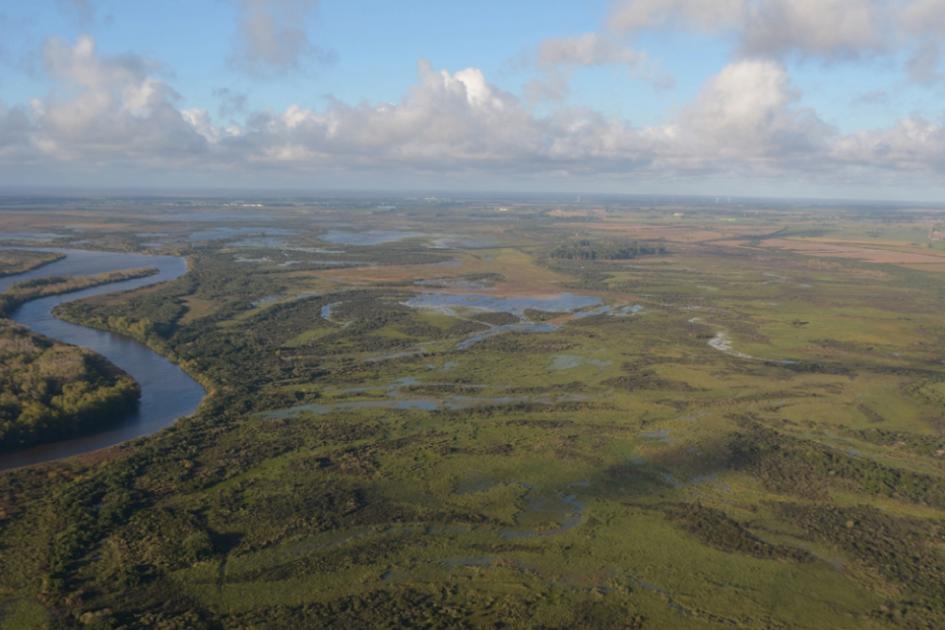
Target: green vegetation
(585,249)
(742,430)
(50,391)
(905,551)
(55,285)
(14,261)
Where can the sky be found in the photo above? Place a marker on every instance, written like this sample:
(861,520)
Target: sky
(788,98)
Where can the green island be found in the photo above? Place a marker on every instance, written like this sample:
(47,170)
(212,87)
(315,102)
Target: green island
(475,414)
(14,261)
(50,390)
(55,285)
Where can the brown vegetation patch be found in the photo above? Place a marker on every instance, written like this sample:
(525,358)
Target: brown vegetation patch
(855,251)
(679,233)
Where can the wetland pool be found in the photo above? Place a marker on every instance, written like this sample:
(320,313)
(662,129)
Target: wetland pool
(367,238)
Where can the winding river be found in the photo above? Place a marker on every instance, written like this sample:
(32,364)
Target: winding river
(167,392)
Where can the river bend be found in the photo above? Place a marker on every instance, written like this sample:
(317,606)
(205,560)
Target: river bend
(167,392)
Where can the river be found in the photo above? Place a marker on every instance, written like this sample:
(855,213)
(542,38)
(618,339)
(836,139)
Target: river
(167,392)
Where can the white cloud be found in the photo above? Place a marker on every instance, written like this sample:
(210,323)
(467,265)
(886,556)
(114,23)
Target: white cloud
(747,117)
(923,22)
(108,106)
(913,145)
(556,58)
(708,15)
(83,10)
(271,37)
(16,129)
(445,119)
(820,29)
(747,121)
(744,94)
(925,17)
(232,101)
(588,49)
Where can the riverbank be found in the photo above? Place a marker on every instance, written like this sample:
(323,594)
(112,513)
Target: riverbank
(167,392)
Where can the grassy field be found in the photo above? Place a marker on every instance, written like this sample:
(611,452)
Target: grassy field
(422,416)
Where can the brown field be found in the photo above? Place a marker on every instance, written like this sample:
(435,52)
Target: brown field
(197,308)
(521,274)
(26,221)
(675,233)
(856,251)
(98,225)
(571,214)
(23,221)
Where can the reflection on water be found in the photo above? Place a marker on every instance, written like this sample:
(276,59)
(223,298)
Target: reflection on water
(455,283)
(613,311)
(519,327)
(31,236)
(454,305)
(366,238)
(561,507)
(450,304)
(208,216)
(326,311)
(261,242)
(722,342)
(570,362)
(564,509)
(223,232)
(656,435)
(459,242)
(266,300)
(86,263)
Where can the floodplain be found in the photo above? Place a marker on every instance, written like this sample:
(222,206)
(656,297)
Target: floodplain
(446,413)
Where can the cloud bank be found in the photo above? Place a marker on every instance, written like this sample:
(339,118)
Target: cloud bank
(747,121)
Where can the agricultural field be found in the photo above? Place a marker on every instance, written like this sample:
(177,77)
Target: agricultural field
(479,413)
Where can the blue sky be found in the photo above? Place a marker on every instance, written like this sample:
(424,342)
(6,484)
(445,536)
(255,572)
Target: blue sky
(810,97)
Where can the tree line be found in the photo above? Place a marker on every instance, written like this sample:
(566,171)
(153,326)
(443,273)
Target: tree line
(586,249)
